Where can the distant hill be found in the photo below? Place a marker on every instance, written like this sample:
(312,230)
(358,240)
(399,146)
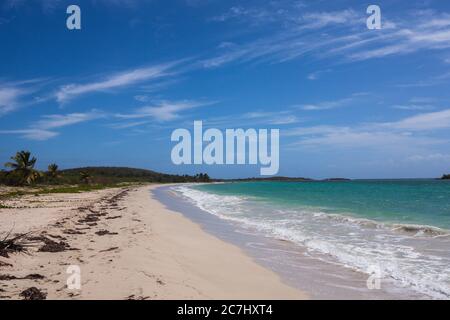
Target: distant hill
(124,174)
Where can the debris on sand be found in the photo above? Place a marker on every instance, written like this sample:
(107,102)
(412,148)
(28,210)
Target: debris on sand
(89,218)
(52,246)
(115,217)
(7,277)
(33,293)
(134,297)
(110,249)
(5,264)
(33,276)
(105,232)
(15,244)
(72,232)
(57,237)
(97,213)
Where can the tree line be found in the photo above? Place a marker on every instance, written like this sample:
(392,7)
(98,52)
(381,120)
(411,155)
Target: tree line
(22,172)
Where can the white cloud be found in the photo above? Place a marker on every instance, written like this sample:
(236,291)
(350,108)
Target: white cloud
(114,81)
(164,110)
(411,134)
(413,107)
(317,20)
(9,97)
(423,122)
(32,134)
(57,120)
(127,125)
(269,118)
(43,129)
(367,139)
(302,33)
(325,105)
(430,33)
(317,74)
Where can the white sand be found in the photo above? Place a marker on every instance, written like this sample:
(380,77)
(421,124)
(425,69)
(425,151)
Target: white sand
(157,253)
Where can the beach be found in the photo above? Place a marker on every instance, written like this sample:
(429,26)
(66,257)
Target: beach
(127,245)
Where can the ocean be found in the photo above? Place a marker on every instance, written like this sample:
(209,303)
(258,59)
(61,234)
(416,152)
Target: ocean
(394,230)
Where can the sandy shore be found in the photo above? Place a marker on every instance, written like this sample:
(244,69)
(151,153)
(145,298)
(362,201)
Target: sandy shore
(127,246)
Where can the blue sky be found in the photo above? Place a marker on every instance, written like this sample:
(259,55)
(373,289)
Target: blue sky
(349,102)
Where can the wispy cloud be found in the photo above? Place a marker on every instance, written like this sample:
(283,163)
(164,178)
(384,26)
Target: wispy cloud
(422,122)
(325,105)
(165,110)
(318,20)
(271,118)
(32,134)
(411,133)
(415,107)
(9,99)
(115,81)
(440,79)
(417,104)
(317,74)
(62,120)
(14,95)
(44,128)
(302,34)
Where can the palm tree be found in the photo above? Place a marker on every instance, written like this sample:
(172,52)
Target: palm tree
(85,177)
(23,164)
(53,170)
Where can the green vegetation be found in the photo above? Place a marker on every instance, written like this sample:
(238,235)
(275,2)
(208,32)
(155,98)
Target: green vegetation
(52,171)
(85,177)
(22,166)
(446,177)
(23,173)
(76,189)
(123,174)
(12,194)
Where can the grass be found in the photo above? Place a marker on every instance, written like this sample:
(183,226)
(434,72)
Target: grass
(9,195)
(61,189)
(75,189)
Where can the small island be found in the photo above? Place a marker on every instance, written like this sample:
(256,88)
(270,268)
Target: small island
(446,177)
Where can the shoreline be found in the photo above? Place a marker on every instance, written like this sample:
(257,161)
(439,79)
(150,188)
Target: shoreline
(305,270)
(128,245)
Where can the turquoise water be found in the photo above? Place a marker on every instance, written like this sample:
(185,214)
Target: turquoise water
(401,228)
(422,202)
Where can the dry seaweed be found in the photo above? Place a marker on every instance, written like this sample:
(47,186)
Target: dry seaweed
(33,293)
(14,244)
(105,232)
